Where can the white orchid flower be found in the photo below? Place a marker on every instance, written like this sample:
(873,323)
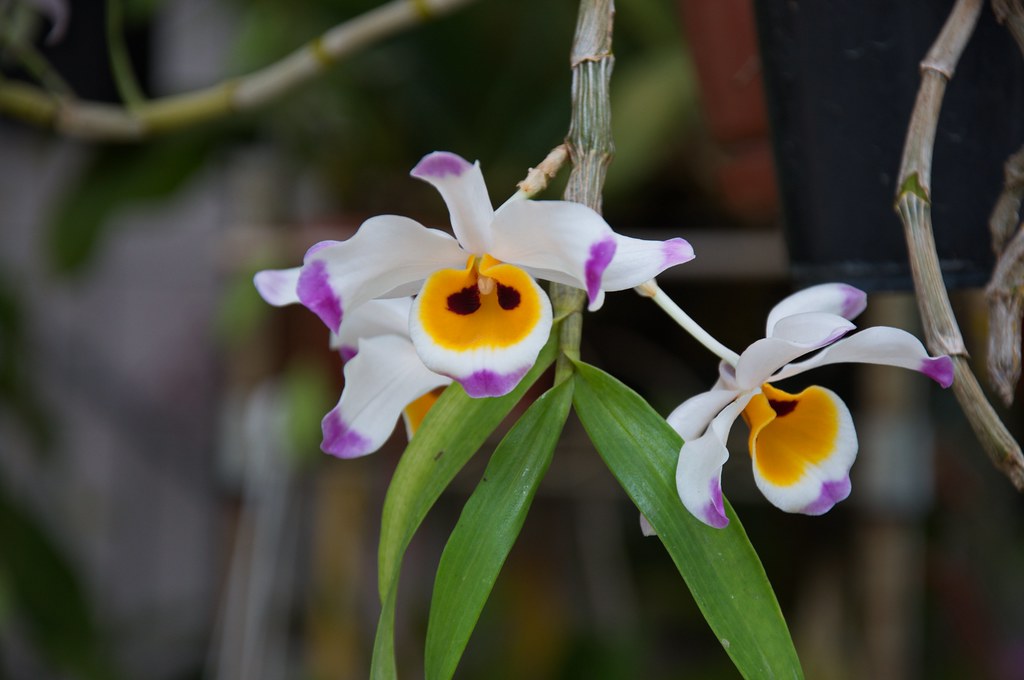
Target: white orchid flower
(802,445)
(479,316)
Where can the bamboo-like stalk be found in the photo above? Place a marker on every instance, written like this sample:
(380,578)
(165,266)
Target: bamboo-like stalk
(105,122)
(1005,292)
(590,147)
(913,202)
(1011,13)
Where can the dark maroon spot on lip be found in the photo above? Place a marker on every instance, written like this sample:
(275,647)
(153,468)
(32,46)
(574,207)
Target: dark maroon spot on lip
(782,408)
(508,297)
(466,301)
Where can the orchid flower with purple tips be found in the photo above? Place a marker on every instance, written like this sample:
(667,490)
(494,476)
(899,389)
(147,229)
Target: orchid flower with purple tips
(479,315)
(384,377)
(802,445)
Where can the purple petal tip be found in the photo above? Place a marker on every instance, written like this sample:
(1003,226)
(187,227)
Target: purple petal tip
(347,352)
(315,292)
(675,251)
(601,254)
(318,247)
(939,369)
(854,302)
(491,384)
(341,440)
(713,514)
(440,164)
(831,493)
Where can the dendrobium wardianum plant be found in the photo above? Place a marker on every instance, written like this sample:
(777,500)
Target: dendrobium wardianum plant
(479,317)
(802,445)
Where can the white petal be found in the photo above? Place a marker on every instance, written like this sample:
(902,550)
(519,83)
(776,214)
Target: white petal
(795,336)
(384,377)
(278,286)
(817,442)
(389,256)
(638,260)
(376,317)
(699,471)
(881,345)
(557,241)
(462,187)
(691,418)
(812,329)
(833,298)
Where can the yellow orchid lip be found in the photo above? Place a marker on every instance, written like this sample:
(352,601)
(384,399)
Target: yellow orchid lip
(790,433)
(489,304)
(417,409)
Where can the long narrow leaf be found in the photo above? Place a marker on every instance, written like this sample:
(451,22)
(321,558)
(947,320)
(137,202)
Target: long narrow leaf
(488,526)
(719,566)
(456,426)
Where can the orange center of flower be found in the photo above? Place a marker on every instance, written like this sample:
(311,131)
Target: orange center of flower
(487,304)
(788,432)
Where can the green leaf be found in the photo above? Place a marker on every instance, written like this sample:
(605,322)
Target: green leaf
(118,176)
(455,427)
(45,593)
(719,566)
(487,528)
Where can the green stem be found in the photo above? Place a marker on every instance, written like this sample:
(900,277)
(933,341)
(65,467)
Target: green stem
(105,122)
(590,148)
(120,62)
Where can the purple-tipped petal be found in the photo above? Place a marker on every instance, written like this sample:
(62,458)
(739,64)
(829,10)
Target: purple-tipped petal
(699,469)
(439,165)
(831,493)
(491,384)
(638,260)
(881,345)
(713,514)
(601,255)
(341,440)
(461,185)
(830,298)
(854,301)
(347,352)
(315,292)
(939,369)
(384,377)
(675,251)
